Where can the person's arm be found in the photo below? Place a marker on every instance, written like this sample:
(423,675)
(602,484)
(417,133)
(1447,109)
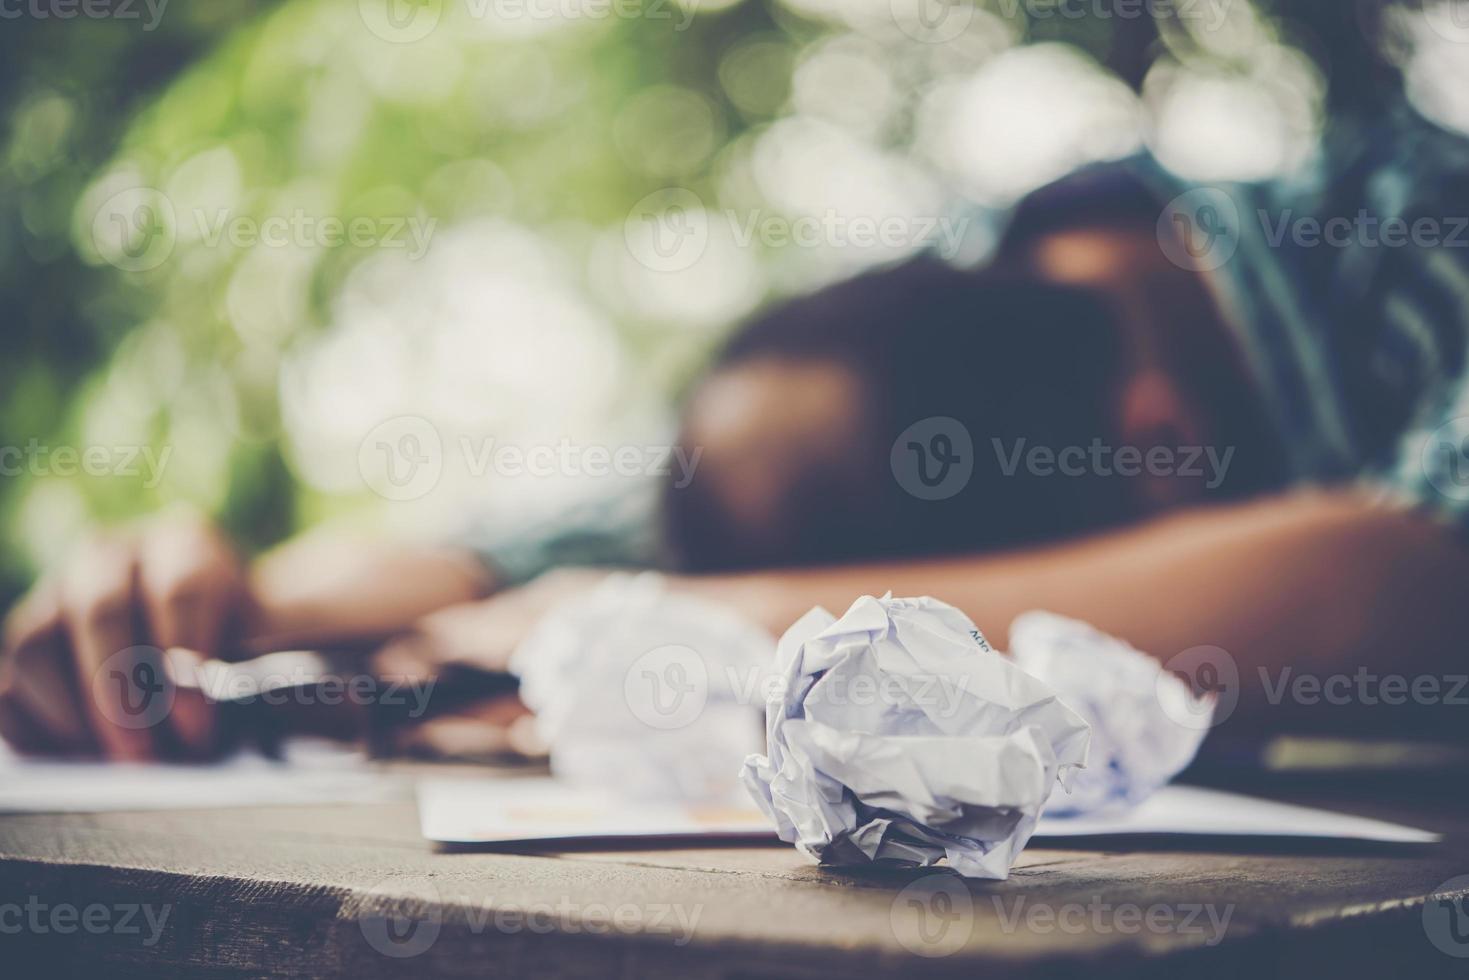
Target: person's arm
(327,588)
(1319,582)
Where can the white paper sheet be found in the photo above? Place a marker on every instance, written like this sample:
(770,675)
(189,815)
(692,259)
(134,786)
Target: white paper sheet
(532,810)
(1195,810)
(311,773)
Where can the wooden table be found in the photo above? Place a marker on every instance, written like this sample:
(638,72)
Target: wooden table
(352,891)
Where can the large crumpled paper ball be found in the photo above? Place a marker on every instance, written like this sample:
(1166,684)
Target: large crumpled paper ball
(646,693)
(1147,724)
(896,734)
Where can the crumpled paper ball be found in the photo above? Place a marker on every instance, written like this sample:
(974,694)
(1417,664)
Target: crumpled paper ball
(1129,700)
(896,734)
(646,693)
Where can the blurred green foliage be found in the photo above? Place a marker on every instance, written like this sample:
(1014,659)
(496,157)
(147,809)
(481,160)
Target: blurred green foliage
(296,101)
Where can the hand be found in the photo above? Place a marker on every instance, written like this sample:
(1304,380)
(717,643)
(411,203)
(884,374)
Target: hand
(481,635)
(76,661)
(485,633)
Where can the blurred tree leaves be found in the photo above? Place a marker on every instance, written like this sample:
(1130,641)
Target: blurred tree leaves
(268,107)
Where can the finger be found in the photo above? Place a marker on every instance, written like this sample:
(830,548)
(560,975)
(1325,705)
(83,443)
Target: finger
(481,731)
(483,634)
(38,613)
(19,730)
(118,683)
(189,578)
(188,583)
(39,678)
(36,678)
(410,658)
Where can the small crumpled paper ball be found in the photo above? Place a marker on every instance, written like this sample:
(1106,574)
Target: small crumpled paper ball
(646,693)
(896,734)
(1130,701)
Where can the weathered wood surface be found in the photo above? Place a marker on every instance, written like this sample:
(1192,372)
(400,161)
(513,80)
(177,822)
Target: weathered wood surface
(352,891)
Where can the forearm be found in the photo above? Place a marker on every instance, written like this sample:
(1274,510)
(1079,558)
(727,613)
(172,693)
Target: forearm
(327,588)
(1320,582)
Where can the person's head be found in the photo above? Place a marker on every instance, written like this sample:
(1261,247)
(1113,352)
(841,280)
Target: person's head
(921,410)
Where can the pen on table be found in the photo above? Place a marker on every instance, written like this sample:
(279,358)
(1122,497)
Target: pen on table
(264,699)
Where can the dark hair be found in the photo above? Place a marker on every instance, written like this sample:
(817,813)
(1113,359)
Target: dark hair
(1100,195)
(1016,363)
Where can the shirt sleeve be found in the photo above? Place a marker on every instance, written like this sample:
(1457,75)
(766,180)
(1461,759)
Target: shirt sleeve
(1407,377)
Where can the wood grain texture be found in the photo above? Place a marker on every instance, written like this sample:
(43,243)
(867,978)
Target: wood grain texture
(352,891)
